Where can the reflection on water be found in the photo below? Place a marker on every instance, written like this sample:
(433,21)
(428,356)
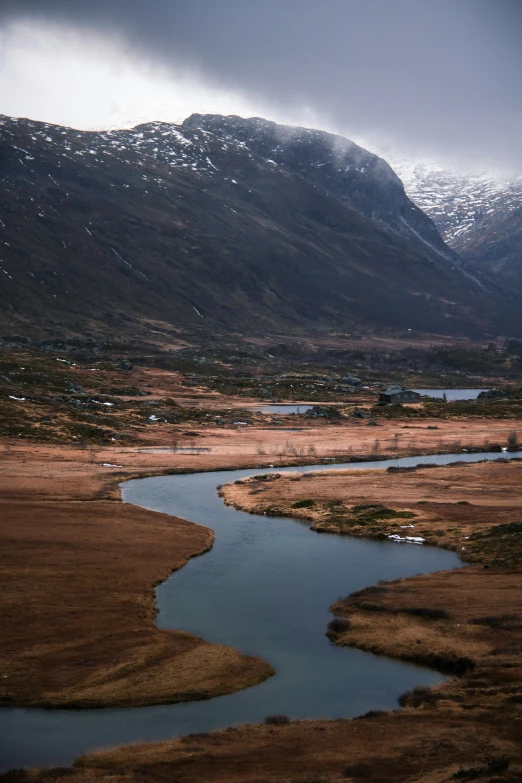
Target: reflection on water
(451,394)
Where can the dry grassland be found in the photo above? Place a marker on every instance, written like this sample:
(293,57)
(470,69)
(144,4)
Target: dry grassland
(78,569)
(443,505)
(466,621)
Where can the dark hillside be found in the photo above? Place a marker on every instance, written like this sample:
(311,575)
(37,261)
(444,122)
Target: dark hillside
(176,229)
(495,248)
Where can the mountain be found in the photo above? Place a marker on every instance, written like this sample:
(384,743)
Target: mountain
(355,176)
(220,225)
(478,214)
(495,247)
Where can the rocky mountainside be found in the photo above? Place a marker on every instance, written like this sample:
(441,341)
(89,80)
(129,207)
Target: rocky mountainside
(495,247)
(478,215)
(220,225)
(355,176)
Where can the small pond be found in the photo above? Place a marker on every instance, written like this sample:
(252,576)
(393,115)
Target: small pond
(451,394)
(282,409)
(178,450)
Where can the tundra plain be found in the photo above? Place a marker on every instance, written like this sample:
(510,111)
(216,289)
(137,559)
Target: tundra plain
(80,567)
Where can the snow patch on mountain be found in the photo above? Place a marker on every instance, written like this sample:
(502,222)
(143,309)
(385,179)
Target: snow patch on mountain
(457,200)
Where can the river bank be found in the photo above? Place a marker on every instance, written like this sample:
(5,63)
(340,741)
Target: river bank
(79,569)
(439,506)
(244,753)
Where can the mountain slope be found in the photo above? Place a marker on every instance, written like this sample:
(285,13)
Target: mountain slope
(358,178)
(495,247)
(165,227)
(479,215)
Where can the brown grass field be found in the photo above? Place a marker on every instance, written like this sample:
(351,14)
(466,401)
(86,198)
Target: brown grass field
(78,569)
(62,506)
(443,505)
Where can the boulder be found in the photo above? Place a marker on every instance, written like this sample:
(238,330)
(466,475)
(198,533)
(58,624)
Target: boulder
(322,412)
(359,414)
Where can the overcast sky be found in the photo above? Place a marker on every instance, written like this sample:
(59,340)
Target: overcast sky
(440,77)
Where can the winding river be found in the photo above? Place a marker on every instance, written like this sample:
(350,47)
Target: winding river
(264,588)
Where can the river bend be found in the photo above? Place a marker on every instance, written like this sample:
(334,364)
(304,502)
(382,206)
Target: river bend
(264,588)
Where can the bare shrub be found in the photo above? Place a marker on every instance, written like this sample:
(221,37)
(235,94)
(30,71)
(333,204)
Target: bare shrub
(373,714)
(176,441)
(312,451)
(14,776)
(501,621)
(356,771)
(418,696)
(512,441)
(371,590)
(426,612)
(491,764)
(276,720)
(339,625)
(304,503)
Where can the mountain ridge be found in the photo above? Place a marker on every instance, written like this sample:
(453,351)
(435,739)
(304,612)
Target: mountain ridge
(477,213)
(181,229)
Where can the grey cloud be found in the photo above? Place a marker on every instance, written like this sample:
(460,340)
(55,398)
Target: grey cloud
(439,75)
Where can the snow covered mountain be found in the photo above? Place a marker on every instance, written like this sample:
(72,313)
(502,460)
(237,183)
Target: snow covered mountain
(364,181)
(221,225)
(458,201)
(477,213)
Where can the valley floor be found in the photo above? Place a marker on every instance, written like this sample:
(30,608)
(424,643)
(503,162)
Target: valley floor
(78,610)
(78,570)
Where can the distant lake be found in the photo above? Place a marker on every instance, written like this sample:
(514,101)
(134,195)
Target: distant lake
(451,394)
(172,450)
(283,408)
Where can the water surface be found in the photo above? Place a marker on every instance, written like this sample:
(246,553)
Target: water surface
(265,589)
(451,394)
(282,409)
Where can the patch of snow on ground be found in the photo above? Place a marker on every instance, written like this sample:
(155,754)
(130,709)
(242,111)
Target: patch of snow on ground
(406,539)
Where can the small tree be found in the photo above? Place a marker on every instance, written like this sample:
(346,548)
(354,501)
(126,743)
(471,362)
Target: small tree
(176,441)
(512,441)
